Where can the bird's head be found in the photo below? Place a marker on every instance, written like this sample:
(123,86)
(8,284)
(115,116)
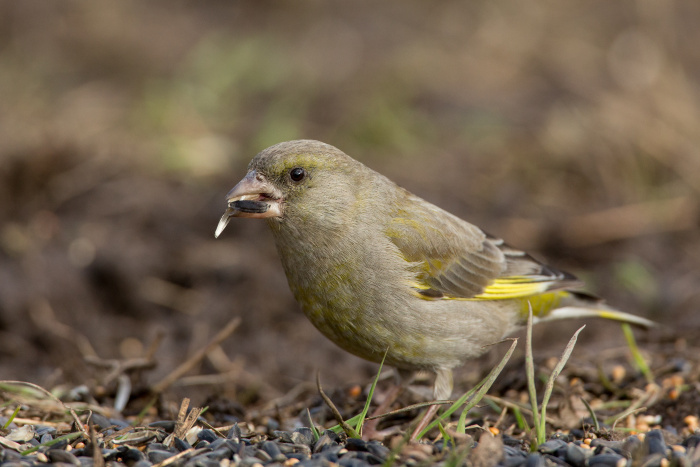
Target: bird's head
(303,181)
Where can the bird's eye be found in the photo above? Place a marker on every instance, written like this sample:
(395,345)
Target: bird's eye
(297,174)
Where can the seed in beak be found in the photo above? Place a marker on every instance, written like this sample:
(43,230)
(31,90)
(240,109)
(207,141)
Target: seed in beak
(256,207)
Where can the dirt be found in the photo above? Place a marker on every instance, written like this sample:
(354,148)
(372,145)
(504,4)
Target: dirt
(124,126)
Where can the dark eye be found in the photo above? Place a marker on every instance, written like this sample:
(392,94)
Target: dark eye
(297,174)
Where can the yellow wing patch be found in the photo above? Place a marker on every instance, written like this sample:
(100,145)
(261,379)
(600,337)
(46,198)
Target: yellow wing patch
(507,288)
(528,288)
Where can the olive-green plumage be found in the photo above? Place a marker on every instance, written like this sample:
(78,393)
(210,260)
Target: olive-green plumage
(377,269)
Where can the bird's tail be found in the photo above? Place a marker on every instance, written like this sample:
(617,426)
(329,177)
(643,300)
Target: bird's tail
(582,305)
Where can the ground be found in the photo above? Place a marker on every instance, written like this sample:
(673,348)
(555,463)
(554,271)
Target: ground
(570,130)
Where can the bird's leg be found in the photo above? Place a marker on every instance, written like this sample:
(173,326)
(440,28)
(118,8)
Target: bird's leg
(369,429)
(441,391)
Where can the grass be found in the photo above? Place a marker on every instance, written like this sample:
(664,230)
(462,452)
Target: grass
(359,419)
(539,412)
(472,397)
(12,417)
(60,439)
(353,426)
(637,357)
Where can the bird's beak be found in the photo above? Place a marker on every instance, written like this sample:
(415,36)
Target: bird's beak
(254,196)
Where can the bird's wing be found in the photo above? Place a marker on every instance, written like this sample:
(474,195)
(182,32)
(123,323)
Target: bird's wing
(453,259)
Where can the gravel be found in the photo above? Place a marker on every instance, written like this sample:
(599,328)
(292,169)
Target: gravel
(154,445)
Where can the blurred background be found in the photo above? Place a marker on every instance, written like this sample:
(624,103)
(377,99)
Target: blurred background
(570,129)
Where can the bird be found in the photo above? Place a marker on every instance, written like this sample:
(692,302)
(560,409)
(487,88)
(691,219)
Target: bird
(388,276)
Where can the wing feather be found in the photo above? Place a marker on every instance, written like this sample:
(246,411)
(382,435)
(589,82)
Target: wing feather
(453,259)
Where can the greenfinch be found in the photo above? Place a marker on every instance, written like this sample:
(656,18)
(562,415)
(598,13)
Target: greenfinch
(380,271)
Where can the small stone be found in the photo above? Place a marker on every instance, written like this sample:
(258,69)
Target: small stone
(379,450)
(655,460)
(284,436)
(157,456)
(355,444)
(303,435)
(297,455)
(576,456)
(235,447)
(513,457)
(120,424)
(234,433)
(207,435)
(201,462)
(510,441)
(263,456)
(352,462)
(324,441)
(22,434)
(273,451)
(692,422)
(7,455)
(100,421)
(605,460)
(159,446)
(691,441)
(218,443)
(131,456)
(181,444)
(191,435)
(249,451)
(110,454)
(604,442)
(250,462)
(654,442)
(294,448)
(220,454)
(58,455)
(45,430)
(331,455)
(677,448)
(552,446)
(632,447)
(535,460)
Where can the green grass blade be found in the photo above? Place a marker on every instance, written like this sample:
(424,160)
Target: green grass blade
(461,423)
(520,420)
(596,425)
(530,370)
(446,436)
(483,387)
(314,430)
(68,437)
(639,360)
(365,409)
(350,421)
(12,417)
(552,378)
